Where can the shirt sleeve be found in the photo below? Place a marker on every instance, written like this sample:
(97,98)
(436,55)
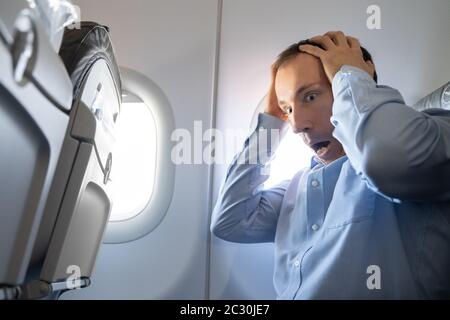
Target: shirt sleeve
(244,211)
(401,153)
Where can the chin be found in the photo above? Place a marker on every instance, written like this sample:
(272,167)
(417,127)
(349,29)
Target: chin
(331,157)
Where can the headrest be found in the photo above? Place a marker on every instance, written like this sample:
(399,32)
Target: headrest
(84,46)
(438,99)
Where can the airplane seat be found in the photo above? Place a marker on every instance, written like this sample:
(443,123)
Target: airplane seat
(35,99)
(438,99)
(80,201)
(57,123)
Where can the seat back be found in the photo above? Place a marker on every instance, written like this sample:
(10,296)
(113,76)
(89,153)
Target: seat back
(439,99)
(57,123)
(34,106)
(78,209)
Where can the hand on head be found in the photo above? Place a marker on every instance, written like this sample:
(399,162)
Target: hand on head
(338,50)
(272,107)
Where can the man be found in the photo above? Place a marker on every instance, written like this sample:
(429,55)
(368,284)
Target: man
(370,219)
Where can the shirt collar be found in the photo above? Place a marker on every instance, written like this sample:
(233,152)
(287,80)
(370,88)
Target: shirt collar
(316,161)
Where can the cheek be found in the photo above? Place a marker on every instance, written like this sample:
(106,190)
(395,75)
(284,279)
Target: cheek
(327,104)
(323,117)
(325,111)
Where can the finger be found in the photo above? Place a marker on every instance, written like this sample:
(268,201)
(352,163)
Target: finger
(338,38)
(315,51)
(324,41)
(353,42)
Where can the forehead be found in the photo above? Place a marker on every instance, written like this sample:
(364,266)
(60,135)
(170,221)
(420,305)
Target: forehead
(303,69)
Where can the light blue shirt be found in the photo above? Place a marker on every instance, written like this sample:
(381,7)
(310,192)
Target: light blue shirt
(374,224)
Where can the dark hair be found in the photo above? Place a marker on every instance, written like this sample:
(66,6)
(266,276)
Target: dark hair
(293,50)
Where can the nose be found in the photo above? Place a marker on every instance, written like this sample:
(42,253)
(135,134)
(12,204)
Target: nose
(300,121)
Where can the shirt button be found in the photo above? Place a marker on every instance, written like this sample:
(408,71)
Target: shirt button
(297,264)
(315,227)
(315,183)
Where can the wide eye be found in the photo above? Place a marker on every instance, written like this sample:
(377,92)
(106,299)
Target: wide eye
(310,97)
(288,110)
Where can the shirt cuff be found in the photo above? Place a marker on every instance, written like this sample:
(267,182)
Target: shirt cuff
(345,75)
(268,121)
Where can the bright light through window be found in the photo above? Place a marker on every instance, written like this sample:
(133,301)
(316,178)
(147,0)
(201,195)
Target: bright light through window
(291,156)
(134,163)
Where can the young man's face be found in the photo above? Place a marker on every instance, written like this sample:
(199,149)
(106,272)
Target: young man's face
(304,93)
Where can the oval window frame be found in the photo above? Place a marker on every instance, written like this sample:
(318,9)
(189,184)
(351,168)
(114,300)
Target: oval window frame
(153,214)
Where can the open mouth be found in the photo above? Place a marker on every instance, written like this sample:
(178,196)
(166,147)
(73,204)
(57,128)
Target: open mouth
(320,148)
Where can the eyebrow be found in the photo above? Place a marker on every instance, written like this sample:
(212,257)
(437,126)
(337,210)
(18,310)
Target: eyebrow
(300,90)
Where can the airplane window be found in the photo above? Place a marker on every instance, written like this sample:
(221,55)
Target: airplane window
(291,156)
(143,174)
(133,173)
